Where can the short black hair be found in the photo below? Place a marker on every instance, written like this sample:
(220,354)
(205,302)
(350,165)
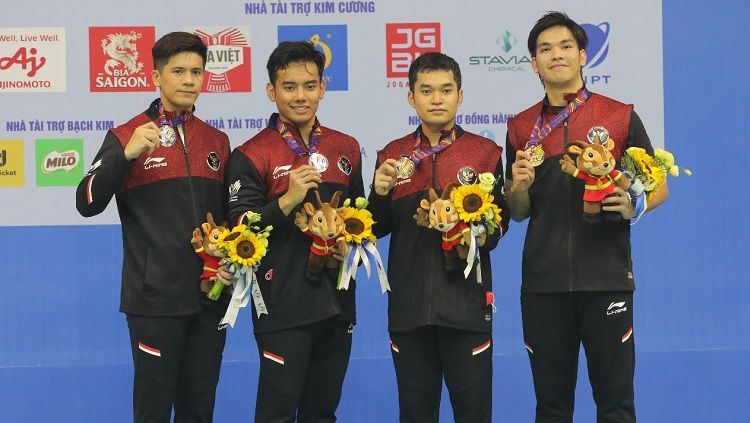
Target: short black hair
(175,43)
(433,61)
(293,52)
(552,19)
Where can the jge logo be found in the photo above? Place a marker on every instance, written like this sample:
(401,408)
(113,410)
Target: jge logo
(404,42)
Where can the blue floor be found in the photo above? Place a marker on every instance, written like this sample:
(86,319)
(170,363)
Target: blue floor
(685,386)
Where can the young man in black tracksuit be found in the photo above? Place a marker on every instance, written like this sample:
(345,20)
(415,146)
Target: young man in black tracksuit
(440,323)
(577,275)
(165,179)
(304,341)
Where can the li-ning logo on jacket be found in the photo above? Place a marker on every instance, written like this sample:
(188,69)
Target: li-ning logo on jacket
(280,171)
(615,308)
(152,162)
(234,189)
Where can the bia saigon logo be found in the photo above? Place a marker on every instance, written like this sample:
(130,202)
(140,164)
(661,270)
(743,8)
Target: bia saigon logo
(120,58)
(507,57)
(404,42)
(228,63)
(331,40)
(596,52)
(59,162)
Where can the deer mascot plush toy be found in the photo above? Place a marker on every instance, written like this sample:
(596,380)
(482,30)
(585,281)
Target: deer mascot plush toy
(440,213)
(323,223)
(595,165)
(206,247)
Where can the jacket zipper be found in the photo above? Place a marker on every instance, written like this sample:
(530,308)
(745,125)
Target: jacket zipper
(570,217)
(189,174)
(432,260)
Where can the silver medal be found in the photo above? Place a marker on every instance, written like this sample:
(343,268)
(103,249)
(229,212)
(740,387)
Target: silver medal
(167,136)
(318,161)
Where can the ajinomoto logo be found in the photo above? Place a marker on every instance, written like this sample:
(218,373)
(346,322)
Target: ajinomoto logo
(32,60)
(59,162)
(331,40)
(228,60)
(404,42)
(11,163)
(120,58)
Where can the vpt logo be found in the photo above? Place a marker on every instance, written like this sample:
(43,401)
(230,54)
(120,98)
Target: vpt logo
(331,40)
(509,59)
(598,43)
(597,51)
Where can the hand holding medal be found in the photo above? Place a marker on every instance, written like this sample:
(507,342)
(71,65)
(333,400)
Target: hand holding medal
(385,177)
(144,138)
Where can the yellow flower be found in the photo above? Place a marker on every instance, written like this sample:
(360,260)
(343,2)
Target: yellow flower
(486,181)
(357,224)
(242,246)
(665,157)
(495,214)
(471,202)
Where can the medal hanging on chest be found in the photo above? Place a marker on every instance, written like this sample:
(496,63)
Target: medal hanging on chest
(317,160)
(534,145)
(407,165)
(167,131)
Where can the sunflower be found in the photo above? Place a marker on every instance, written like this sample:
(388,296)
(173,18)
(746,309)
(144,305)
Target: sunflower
(357,225)
(471,202)
(243,246)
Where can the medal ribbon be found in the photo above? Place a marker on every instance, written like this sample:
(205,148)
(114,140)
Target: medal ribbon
(288,137)
(174,121)
(446,139)
(539,131)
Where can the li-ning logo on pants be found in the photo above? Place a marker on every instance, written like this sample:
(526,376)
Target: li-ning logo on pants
(615,308)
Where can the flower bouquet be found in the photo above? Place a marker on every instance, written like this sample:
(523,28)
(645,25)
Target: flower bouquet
(358,234)
(474,204)
(244,247)
(648,172)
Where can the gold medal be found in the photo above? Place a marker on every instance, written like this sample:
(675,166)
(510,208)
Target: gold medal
(536,154)
(404,168)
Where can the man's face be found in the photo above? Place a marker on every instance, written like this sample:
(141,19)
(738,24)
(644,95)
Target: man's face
(558,59)
(297,93)
(180,81)
(436,98)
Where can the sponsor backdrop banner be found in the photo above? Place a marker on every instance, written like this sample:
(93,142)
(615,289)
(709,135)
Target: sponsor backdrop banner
(66,78)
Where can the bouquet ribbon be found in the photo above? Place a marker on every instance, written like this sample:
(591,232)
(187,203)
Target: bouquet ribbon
(476,230)
(364,252)
(240,296)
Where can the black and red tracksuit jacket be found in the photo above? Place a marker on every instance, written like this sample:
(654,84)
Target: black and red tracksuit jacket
(561,252)
(422,292)
(161,199)
(257,175)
